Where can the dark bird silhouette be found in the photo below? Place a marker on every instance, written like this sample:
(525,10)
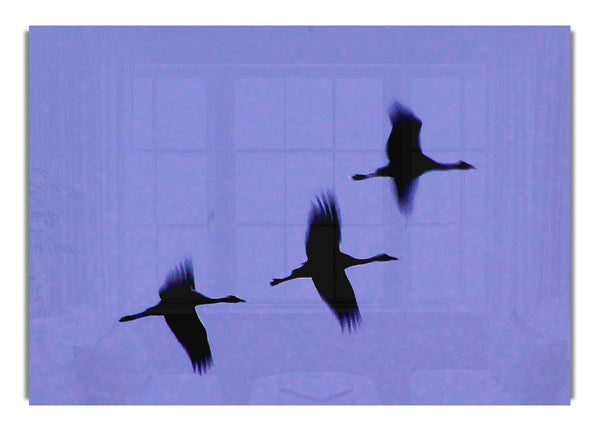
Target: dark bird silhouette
(406,160)
(178,299)
(326,264)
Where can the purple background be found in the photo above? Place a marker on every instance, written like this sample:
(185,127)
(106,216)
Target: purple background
(150,144)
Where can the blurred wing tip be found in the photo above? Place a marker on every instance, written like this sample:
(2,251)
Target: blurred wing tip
(202,367)
(350,321)
(324,205)
(399,113)
(325,210)
(180,277)
(326,199)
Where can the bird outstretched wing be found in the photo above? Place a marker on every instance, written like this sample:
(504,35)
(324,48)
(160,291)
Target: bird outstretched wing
(404,137)
(323,238)
(323,235)
(179,282)
(191,334)
(338,294)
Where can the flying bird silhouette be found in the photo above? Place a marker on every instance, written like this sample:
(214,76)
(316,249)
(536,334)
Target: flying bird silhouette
(178,299)
(326,264)
(406,160)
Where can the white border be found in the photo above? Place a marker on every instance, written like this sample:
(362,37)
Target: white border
(582,414)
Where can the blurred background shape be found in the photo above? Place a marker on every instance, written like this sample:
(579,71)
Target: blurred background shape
(178,389)
(317,388)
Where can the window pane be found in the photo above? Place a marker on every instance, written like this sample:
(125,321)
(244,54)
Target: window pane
(181,187)
(259,112)
(181,113)
(307,176)
(309,113)
(259,188)
(360,115)
(259,255)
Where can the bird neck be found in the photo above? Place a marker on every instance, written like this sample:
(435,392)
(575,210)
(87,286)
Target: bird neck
(206,300)
(352,261)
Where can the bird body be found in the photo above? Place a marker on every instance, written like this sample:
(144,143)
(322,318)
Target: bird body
(178,301)
(326,264)
(406,159)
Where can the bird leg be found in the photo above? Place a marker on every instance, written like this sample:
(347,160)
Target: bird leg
(276,281)
(152,311)
(296,273)
(358,177)
(133,316)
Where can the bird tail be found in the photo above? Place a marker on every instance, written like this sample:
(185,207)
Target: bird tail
(132,317)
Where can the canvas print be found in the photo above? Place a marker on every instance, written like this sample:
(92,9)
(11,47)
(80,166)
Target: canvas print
(299,215)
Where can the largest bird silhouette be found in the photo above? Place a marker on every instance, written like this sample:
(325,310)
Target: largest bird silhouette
(326,264)
(406,160)
(178,299)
